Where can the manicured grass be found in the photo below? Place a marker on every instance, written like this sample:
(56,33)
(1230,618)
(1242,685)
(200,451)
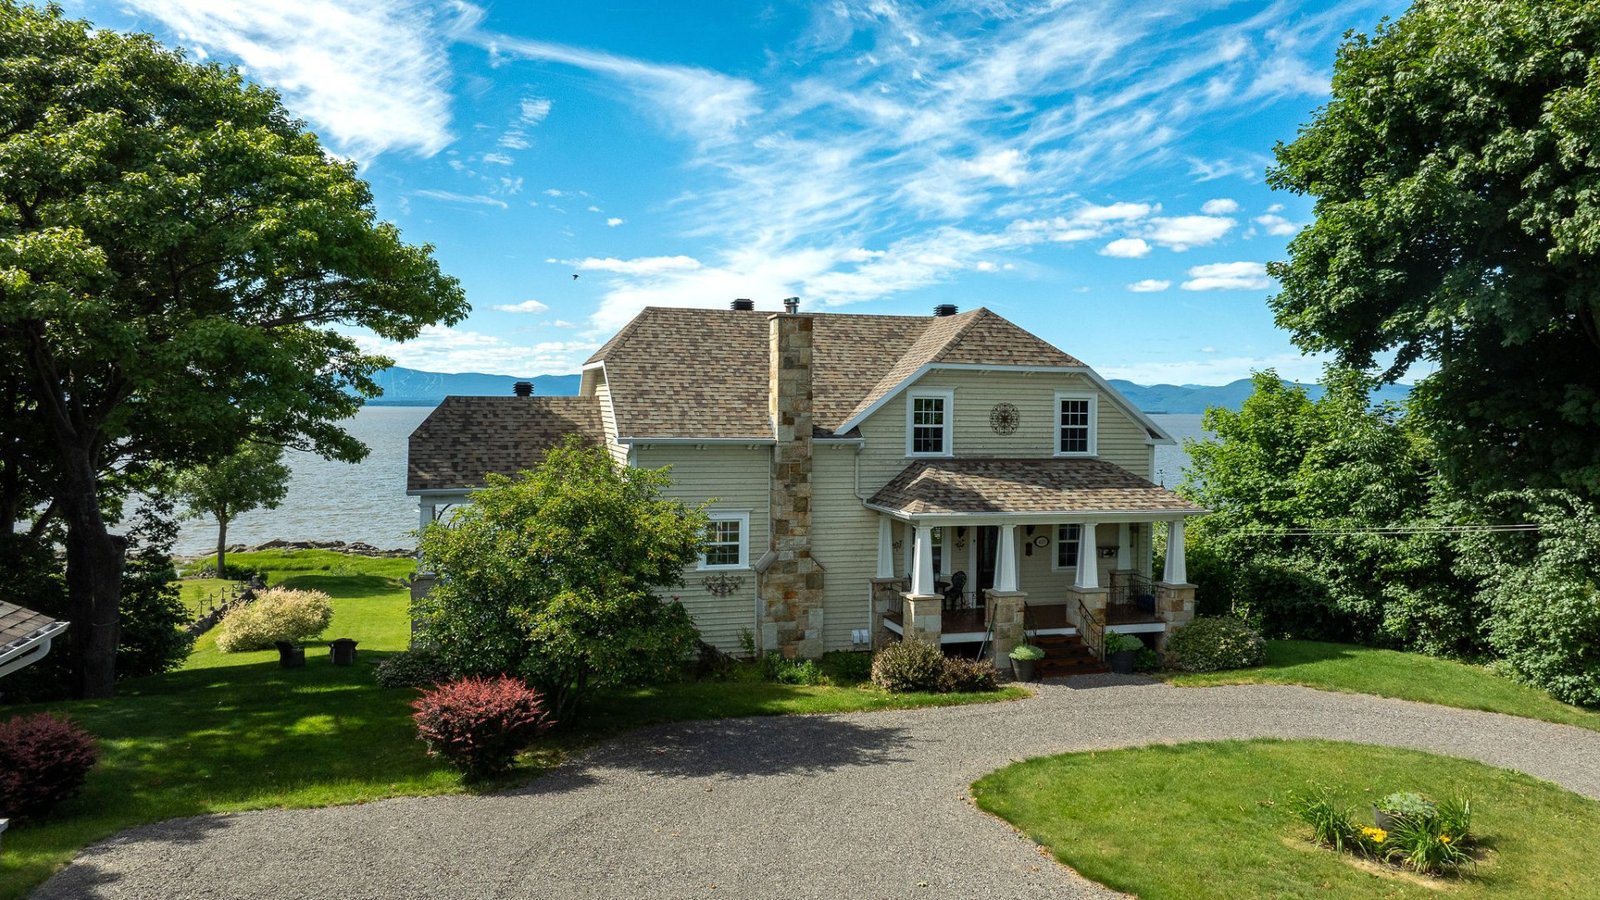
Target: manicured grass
(1207,820)
(234,731)
(1406,676)
(198,594)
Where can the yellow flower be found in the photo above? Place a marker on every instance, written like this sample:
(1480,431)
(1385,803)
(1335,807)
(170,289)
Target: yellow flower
(1444,838)
(1377,835)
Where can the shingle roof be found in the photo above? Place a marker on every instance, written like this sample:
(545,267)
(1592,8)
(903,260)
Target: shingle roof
(466,437)
(1050,485)
(20,626)
(703,372)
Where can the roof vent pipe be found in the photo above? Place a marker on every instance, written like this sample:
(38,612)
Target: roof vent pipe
(522,389)
(945,309)
(742,305)
(791,305)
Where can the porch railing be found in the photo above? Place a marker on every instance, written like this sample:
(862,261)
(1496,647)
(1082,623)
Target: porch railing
(1132,599)
(1092,631)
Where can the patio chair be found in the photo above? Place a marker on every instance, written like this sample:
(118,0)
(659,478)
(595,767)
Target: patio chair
(955,594)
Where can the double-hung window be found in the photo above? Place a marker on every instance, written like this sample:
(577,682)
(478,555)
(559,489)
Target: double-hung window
(928,423)
(727,541)
(1075,424)
(1067,537)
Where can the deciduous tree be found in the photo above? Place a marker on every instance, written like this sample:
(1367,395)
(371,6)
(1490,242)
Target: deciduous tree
(175,250)
(252,477)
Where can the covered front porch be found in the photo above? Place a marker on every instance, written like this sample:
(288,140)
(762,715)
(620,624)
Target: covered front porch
(998,552)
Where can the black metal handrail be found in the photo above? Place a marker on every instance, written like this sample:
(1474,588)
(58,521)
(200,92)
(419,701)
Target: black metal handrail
(1094,633)
(1132,599)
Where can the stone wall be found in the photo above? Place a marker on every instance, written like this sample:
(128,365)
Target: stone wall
(791,587)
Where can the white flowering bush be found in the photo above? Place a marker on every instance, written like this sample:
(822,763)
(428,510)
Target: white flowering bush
(279,614)
(1210,644)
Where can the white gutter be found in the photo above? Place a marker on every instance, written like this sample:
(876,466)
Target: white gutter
(34,647)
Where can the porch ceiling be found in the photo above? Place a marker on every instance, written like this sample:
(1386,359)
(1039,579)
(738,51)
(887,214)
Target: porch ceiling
(1034,487)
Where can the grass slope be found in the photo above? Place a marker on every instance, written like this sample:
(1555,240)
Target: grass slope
(1210,820)
(1405,676)
(234,731)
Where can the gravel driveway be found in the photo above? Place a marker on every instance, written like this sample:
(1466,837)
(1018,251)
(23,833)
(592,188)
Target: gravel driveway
(860,806)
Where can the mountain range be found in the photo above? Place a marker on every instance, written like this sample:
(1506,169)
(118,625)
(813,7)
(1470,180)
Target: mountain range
(414,387)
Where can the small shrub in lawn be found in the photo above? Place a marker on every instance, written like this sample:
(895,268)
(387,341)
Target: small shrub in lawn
(1146,660)
(777,668)
(43,760)
(968,676)
(1411,831)
(278,614)
(421,667)
(710,664)
(480,724)
(908,666)
(1213,644)
(847,668)
(1330,823)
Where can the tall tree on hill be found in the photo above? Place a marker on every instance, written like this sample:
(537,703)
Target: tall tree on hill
(174,251)
(252,477)
(1455,172)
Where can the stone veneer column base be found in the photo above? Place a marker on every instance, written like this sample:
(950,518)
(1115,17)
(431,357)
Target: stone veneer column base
(923,617)
(1175,603)
(1093,599)
(887,597)
(1005,620)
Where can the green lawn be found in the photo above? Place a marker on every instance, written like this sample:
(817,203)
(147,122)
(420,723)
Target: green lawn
(198,594)
(234,731)
(1406,676)
(1209,820)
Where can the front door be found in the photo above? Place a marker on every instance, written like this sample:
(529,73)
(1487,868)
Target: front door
(988,538)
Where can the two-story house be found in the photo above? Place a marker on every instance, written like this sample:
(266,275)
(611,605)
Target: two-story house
(953,477)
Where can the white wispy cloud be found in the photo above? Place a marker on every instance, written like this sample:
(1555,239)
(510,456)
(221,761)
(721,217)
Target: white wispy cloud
(1149,285)
(372,75)
(439,349)
(614,222)
(452,197)
(1182,232)
(1276,225)
(526,306)
(535,110)
(1220,206)
(646,265)
(496,159)
(1126,248)
(1233,276)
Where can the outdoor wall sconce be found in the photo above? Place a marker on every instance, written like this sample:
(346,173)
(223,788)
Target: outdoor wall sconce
(961,537)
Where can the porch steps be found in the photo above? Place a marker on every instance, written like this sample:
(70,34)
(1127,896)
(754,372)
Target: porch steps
(1066,655)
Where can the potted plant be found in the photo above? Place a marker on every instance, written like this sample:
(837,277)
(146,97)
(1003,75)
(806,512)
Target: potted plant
(1023,657)
(1121,650)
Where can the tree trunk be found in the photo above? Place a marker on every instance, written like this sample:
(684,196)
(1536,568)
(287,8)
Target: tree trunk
(222,546)
(94,586)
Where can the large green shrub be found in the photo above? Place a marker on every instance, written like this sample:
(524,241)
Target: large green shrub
(421,667)
(276,614)
(908,666)
(1210,644)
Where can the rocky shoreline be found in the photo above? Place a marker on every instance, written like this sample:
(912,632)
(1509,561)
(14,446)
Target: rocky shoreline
(354,548)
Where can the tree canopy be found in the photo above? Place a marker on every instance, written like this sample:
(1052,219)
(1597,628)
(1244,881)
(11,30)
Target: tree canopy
(552,576)
(175,253)
(1455,172)
(251,477)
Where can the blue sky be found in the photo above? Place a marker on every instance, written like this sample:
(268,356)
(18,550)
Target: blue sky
(1092,170)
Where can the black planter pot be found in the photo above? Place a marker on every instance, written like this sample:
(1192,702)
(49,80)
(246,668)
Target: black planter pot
(1022,669)
(290,656)
(343,651)
(1121,662)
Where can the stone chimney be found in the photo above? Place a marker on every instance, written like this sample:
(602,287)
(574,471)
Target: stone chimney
(791,586)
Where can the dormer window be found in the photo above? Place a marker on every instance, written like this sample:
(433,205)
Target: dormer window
(1075,424)
(928,423)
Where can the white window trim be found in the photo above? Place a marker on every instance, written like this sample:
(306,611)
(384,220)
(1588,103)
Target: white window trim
(949,398)
(1055,552)
(742,516)
(1094,421)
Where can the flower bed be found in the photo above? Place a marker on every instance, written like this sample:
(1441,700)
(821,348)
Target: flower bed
(1408,830)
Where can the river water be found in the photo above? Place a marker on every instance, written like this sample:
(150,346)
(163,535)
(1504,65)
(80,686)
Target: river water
(367,502)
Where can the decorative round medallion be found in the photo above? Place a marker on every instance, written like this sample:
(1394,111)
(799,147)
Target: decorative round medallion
(1041,542)
(1003,418)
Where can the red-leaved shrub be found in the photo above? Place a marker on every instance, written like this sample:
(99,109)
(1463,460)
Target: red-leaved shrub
(480,724)
(43,760)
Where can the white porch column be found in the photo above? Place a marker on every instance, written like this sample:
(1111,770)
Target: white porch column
(1088,558)
(1124,547)
(425,515)
(922,563)
(1005,571)
(1177,572)
(885,547)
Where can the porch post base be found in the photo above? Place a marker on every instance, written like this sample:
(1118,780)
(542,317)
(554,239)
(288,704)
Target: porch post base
(1005,618)
(924,617)
(1175,603)
(1093,599)
(886,599)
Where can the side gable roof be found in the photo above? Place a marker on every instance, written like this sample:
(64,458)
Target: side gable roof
(465,438)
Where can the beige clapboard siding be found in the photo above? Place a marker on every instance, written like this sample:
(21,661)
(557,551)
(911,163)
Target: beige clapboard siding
(844,539)
(608,420)
(736,478)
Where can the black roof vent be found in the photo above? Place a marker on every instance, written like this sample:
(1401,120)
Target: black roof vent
(523,389)
(791,305)
(742,305)
(945,309)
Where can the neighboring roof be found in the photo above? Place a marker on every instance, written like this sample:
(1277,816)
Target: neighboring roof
(24,636)
(1043,486)
(703,372)
(467,437)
